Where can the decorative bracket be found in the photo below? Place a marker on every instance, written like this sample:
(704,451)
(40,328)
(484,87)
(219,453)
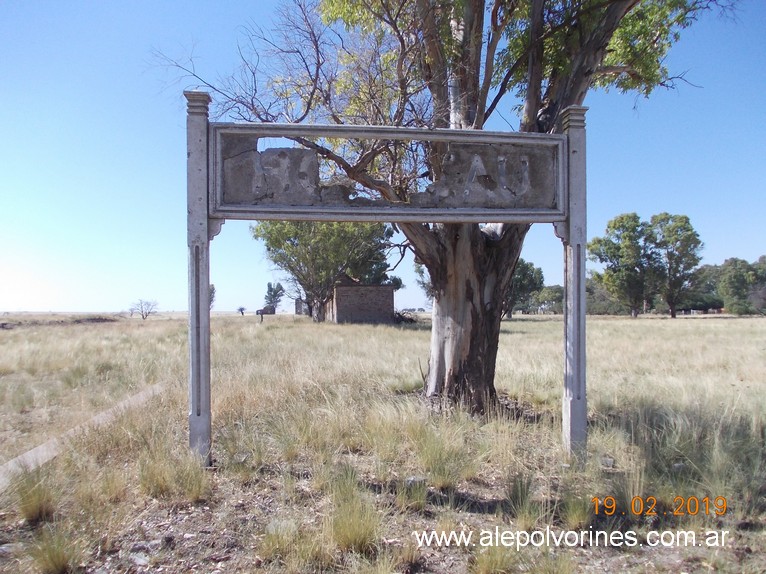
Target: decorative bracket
(561,230)
(214,227)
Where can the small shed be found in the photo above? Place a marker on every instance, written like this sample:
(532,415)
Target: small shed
(354,302)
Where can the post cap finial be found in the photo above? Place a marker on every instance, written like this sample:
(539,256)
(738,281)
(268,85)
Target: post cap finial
(573,117)
(197,102)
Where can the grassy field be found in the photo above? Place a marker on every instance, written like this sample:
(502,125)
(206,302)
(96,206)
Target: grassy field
(327,457)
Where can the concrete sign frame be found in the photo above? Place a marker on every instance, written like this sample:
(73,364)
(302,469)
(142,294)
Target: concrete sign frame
(492,177)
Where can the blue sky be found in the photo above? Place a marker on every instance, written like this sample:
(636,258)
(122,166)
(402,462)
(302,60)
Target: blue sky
(92,153)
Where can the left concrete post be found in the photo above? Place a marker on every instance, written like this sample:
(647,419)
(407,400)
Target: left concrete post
(200,433)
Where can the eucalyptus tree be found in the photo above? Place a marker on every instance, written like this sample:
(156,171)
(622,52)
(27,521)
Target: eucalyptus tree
(677,246)
(740,284)
(631,265)
(274,294)
(643,259)
(527,281)
(448,64)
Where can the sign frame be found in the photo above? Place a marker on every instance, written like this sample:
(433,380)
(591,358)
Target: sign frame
(557,143)
(206,213)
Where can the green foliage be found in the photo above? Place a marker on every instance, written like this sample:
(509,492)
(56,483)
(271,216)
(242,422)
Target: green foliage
(704,294)
(550,299)
(635,58)
(523,293)
(677,247)
(424,281)
(738,279)
(527,281)
(644,259)
(316,254)
(737,286)
(757,295)
(598,301)
(631,267)
(274,294)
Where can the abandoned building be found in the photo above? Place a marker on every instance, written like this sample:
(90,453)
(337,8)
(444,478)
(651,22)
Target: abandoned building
(354,302)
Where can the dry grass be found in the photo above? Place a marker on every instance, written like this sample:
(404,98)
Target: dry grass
(56,373)
(327,458)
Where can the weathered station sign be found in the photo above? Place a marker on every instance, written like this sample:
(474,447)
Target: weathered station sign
(486,176)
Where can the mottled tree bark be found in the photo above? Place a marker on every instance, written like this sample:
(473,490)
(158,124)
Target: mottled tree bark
(471,270)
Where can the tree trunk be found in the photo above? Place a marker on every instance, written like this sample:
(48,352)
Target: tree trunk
(470,279)
(317,310)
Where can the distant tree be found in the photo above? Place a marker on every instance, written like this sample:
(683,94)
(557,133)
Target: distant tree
(316,254)
(375,270)
(630,260)
(550,299)
(144,308)
(737,286)
(677,247)
(738,280)
(212,295)
(704,294)
(274,294)
(241,311)
(757,297)
(598,301)
(527,280)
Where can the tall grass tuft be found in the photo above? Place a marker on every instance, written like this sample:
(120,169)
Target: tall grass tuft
(412,495)
(55,551)
(443,449)
(518,492)
(166,474)
(577,512)
(35,496)
(354,522)
(496,560)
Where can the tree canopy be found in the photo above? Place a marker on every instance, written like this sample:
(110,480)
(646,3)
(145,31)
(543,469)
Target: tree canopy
(274,294)
(742,285)
(527,281)
(643,259)
(630,262)
(677,247)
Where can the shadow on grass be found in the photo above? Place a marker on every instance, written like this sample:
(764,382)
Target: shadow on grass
(698,447)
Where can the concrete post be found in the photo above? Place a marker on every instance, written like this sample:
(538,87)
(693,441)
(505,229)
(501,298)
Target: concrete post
(199,273)
(574,404)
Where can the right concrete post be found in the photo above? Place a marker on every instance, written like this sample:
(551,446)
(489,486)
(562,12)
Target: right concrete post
(574,404)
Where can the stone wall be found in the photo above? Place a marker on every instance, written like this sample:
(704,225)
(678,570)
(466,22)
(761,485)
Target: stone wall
(362,304)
